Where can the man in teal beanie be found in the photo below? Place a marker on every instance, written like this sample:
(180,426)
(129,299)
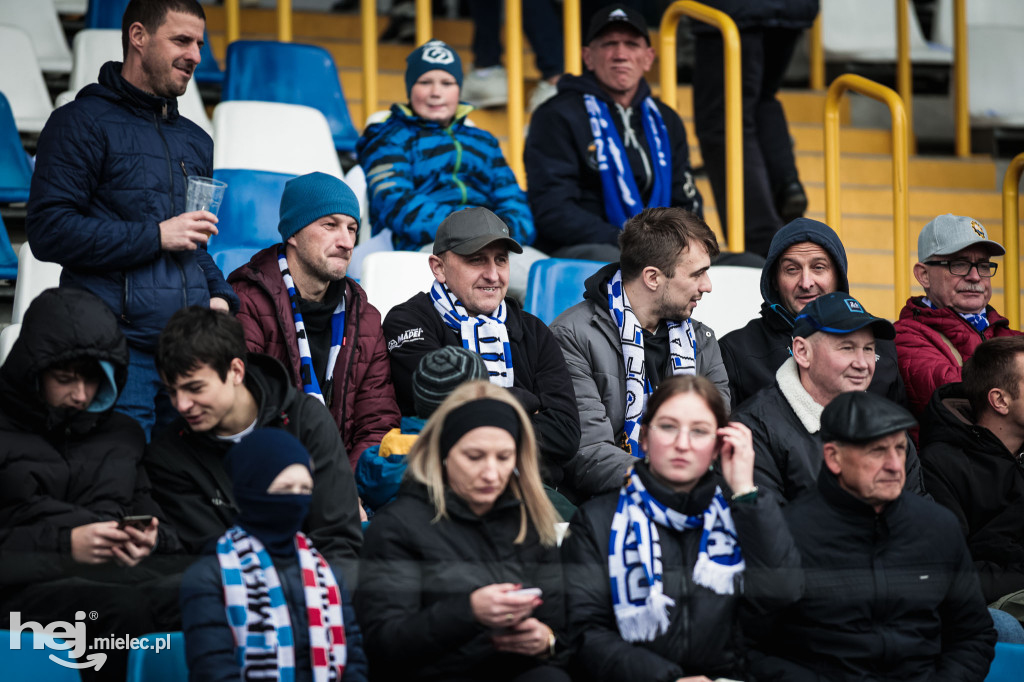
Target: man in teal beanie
(298,305)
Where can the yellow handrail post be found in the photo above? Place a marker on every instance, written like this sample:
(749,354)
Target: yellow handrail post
(284,21)
(573,40)
(368,14)
(733,101)
(233,22)
(904,78)
(961,94)
(514,66)
(816,55)
(900,170)
(424,18)
(1011,241)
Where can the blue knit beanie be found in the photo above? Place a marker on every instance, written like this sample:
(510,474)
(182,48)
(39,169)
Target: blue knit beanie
(435,54)
(308,198)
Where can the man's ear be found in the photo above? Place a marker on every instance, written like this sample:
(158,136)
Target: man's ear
(998,401)
(236,371)
(586,57)
(833,458)
(137,36)
(921,275)
(648,61)
(437,267)
(802,352)
(650,277)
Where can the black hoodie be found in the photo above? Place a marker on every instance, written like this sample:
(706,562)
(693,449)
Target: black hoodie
(968,470)
(753,353)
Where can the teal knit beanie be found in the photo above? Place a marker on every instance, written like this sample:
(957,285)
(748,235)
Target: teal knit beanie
(308,198)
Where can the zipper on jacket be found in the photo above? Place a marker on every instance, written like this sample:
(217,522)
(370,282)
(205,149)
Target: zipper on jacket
(167,155)
(124,297)
(458,165)
(183,171)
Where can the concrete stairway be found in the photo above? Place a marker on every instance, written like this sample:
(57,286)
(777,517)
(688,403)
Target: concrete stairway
(937,184)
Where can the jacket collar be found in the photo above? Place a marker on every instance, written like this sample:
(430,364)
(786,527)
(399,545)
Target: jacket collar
(111,79)
(807,410)
(844,501)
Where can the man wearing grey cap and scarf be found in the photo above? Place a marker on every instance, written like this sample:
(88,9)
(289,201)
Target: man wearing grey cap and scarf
(466,306)
(891,592)
(937,332)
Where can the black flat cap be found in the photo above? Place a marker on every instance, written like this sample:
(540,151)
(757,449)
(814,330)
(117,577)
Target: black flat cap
(861,417)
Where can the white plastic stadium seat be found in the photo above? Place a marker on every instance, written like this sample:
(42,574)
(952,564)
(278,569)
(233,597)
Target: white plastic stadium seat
(735,298)
(72,6)
(93,47)
(865,31)
(270,136)
(8,335)
(34,277)
(392,277)
(21,80)
(39,19)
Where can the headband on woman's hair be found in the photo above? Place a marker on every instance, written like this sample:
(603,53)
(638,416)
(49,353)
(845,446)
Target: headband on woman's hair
(483,412)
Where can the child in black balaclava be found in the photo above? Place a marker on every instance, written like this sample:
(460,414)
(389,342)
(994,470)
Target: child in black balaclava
(268,600)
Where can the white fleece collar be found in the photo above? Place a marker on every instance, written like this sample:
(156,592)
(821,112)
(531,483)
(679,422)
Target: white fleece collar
(807,410)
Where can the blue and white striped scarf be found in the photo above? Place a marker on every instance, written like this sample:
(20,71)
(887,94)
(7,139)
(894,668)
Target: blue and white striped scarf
(977,320)
(682,347)
(622,198)
(485,335)
(308,375)
(634,557)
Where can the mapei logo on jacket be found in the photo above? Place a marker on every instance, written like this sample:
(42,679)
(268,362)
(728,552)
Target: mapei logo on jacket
(407,335)
(436,52)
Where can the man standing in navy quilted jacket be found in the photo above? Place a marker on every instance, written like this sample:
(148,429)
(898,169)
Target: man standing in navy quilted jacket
(108,195)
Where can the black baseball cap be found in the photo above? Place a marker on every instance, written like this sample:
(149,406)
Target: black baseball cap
(861,417)
(467,231)
(616,16)
(839,313)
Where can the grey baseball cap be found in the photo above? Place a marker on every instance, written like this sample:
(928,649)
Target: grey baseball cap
(467,231)
(947,234)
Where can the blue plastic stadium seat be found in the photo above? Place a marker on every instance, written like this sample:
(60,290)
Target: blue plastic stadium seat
(105,13)
(208,71)
(290,73)
(556,284)
(26,664)
(247,220)
(8,259)
(1008,665)
(15,167)
(166,665)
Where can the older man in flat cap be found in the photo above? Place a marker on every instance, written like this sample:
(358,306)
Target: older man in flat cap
(891,592)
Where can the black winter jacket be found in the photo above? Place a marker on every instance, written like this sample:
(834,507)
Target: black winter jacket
(889,596)
(413,601)
(754,352)
(564,188)
(542,383)
(763,13)
(191,483)
(110,167)
(788,456)
(60,469)
(703,636)
(969,471)
(210,643)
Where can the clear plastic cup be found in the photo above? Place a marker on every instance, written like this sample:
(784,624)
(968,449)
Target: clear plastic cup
(204,194)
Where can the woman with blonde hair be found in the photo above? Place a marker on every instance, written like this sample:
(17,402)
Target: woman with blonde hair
(460,577)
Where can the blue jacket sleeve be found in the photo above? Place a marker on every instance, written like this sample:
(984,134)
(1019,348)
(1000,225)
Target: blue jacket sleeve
(215,280)
(209,642)
(68,160)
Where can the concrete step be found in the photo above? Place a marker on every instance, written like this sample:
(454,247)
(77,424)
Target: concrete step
(868,169)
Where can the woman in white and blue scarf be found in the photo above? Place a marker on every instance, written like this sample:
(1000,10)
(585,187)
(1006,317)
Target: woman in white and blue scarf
(660,568)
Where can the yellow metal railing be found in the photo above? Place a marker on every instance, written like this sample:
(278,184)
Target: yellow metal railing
(904,76)
(232,21)
(233,24)
(960,92)
(571,34)
(1011,241)
(369,48)
(733,101)
(514,67)
(900,172)
(424,22)
(816,51)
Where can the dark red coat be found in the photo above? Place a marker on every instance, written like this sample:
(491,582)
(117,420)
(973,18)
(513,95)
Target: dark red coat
(926,361)
(364,400)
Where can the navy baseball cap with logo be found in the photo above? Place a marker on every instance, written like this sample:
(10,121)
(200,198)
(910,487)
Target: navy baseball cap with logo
(616,16)
(839,313)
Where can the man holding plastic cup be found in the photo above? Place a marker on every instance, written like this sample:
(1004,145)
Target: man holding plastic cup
(108,197)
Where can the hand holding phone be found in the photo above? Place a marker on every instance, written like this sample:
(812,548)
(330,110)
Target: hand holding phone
(139,522)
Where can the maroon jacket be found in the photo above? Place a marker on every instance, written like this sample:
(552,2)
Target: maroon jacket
(364,404)
(926,361)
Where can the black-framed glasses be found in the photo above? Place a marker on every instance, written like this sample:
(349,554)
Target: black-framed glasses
(960,268)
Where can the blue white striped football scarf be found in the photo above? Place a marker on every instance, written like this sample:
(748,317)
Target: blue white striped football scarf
(634,557)
(309,381)
(258,615)
(485,335)
(682,348)
(622,198)
(977,320)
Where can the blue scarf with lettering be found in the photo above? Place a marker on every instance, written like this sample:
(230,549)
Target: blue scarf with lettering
(622,198)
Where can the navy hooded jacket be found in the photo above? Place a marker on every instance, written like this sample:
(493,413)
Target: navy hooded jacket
(753,353)
(110,167)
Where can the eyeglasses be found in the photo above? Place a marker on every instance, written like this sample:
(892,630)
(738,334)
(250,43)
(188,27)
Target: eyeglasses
(698,436)
(985,268)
